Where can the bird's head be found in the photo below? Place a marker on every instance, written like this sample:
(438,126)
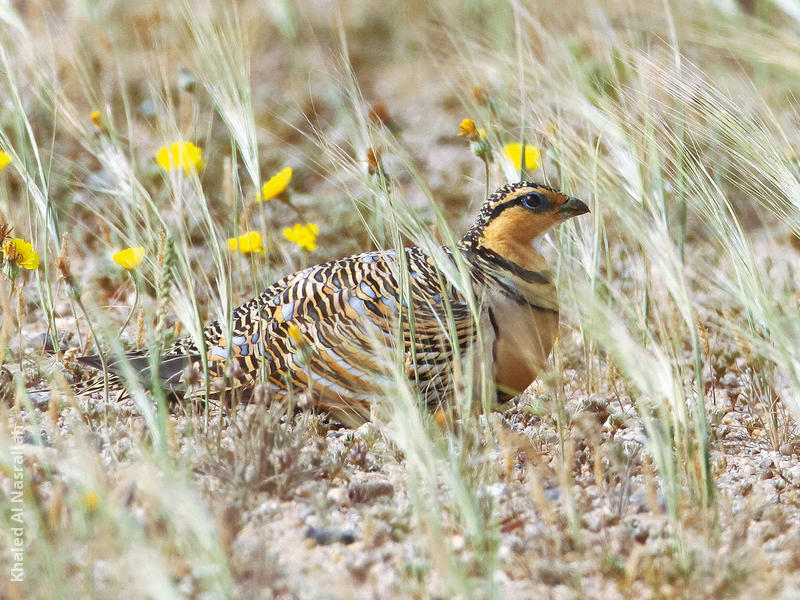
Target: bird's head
(515,215)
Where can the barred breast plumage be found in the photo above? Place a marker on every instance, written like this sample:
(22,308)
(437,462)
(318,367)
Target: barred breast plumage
(330,332)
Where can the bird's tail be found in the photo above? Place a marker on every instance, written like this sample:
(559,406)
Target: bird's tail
(170,372)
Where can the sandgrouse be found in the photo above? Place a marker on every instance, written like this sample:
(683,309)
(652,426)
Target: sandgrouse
(319,332)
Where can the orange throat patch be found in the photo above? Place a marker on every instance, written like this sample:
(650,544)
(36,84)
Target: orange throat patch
(511,235)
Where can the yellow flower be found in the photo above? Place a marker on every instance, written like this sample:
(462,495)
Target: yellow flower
(96,118)
(478,143)
(91,500)
(276,185)
(180,155)
(4,160)
(21,253)
(295,333)
(513,152)
(467,128)
(130,258)
(246,243)
(304,236)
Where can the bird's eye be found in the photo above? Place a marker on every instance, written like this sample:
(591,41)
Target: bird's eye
(534,201)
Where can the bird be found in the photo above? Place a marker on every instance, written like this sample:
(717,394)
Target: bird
(324,333)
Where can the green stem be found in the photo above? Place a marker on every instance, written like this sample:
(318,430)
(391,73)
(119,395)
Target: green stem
(100,353)
(135,302)
(486,177)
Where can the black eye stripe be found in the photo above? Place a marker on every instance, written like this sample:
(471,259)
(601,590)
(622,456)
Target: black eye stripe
(503,205)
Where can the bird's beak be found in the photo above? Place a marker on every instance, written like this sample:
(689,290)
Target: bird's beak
(572,208)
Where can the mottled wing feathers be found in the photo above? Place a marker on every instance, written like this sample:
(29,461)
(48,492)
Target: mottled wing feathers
(330,329)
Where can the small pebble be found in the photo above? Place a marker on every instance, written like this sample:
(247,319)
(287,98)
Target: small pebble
(324,536)
(498,491)
(553,494)
(359,567)
(369,490)
(338,495)
(593,520)
(787,449)
(640,533)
